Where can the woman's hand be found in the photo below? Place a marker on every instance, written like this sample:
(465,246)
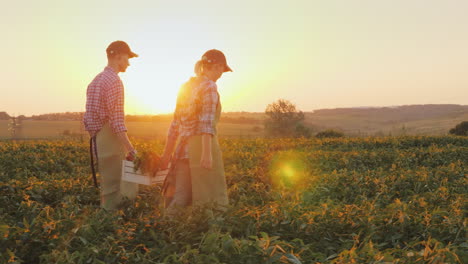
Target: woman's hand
(206,160)
(165,159)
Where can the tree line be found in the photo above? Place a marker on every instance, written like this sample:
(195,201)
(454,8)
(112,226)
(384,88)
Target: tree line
(283,119)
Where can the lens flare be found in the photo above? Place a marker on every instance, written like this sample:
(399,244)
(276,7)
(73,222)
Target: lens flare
(289,169)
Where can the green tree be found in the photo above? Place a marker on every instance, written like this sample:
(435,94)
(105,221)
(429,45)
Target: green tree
(285,120)
(460,129)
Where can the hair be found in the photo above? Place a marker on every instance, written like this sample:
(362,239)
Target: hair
(185,91)
(198,69)
(201,66)
(186,88)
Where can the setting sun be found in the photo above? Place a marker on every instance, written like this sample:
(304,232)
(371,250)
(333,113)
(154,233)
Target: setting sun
(307,52)
(154,78)
(236,132)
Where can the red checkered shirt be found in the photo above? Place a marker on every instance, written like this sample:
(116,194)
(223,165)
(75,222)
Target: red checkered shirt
(195,113)
(105,102)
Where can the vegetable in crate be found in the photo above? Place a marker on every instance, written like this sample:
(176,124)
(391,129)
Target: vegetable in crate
(147,162)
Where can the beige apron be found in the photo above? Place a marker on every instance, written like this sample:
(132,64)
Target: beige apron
(111,152)
(208,185)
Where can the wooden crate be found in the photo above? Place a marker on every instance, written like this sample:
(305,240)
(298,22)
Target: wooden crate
(129,175)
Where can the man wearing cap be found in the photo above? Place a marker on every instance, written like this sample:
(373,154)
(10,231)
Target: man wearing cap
(104,121)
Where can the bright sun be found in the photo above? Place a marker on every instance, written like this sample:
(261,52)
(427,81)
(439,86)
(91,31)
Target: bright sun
(153,89)
(153,79)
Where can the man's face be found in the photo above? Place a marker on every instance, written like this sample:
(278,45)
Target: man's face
(122,62)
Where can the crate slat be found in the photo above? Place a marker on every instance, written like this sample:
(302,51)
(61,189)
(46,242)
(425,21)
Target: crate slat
(129,175)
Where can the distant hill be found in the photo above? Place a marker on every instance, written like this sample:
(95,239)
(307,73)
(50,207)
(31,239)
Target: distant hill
(358,121)
(406,112)
(408,119)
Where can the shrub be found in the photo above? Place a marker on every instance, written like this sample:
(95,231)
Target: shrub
(302,131)
(330,133)
(460,129)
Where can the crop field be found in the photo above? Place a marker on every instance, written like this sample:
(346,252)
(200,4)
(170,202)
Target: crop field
(33,129)
(363,200)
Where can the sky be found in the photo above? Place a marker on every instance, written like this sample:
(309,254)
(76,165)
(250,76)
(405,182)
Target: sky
(317,54)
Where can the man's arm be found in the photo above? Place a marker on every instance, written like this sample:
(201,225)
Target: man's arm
(125,141)
(131,151)
(117,115)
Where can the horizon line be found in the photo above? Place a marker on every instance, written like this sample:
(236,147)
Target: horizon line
(227,112)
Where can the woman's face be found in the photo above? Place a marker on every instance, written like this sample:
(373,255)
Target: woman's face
(216,71)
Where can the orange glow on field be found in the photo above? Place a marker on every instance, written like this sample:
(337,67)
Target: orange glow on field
(289,170)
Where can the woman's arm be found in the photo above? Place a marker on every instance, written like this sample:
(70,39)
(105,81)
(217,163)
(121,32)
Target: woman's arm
(172,136)
(210,99)
(206,156)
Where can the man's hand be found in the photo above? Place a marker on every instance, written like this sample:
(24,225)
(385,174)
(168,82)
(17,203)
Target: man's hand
(131,155)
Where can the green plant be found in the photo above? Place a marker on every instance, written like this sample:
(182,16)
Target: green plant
(147,162)
(292,200)
(330,133)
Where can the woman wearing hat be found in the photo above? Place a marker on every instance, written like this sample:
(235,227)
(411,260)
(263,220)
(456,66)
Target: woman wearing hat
(197,168)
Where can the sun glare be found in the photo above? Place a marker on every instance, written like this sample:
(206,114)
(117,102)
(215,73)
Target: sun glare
(165,63)
(289,169)
(152,88)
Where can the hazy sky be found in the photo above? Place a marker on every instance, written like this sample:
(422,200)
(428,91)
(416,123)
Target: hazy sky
(318,54)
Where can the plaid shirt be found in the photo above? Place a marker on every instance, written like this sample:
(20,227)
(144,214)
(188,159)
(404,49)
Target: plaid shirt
(195,113)
(105,102)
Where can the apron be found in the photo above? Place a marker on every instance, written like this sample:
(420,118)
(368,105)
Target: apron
(208,186)
(110,155)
